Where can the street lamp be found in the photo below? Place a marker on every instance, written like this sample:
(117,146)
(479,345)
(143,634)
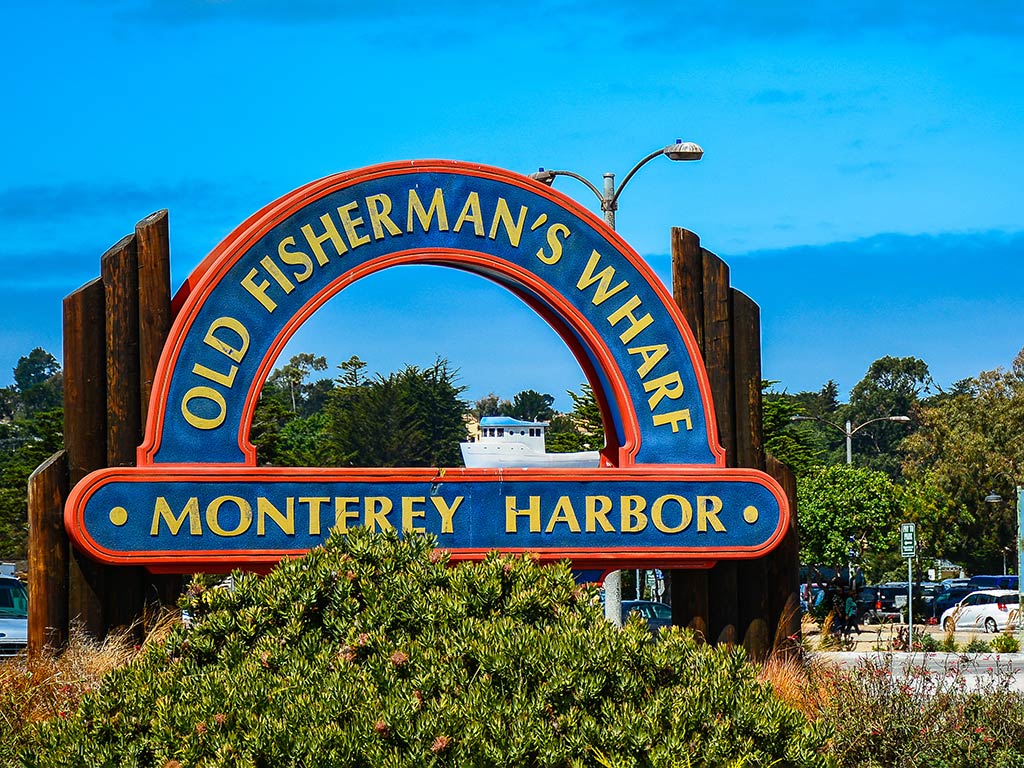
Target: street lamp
(848,431)
(995,498)
(609,196)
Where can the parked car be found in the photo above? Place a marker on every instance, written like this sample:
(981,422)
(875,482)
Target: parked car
(13,617)
(949,597)
(987,609)
(994,582)
(657,615)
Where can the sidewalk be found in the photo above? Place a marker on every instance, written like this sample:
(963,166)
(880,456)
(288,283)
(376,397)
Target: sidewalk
(879,637)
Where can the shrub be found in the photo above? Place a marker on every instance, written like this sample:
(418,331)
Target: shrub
(1005,643)
(374,651)
(977,645)
(881,717)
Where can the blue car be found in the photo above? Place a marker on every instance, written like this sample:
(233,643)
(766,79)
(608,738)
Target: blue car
(13,617)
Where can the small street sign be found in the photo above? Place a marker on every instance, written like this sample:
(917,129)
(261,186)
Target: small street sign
(908,540)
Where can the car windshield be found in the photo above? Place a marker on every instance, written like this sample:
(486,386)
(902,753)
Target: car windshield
(661,611)
(13,600)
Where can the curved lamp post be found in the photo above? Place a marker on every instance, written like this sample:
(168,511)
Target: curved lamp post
(848,431)
(609,196)
(995,498)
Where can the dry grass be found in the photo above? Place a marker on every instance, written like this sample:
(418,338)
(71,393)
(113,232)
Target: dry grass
(48,685)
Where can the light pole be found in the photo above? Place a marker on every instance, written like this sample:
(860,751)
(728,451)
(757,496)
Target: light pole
(848,431)
(609,197)
(995,498)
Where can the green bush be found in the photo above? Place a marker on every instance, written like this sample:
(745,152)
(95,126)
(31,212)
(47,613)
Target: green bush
(375,651)
(885,718)
(1005,643)
(977,645)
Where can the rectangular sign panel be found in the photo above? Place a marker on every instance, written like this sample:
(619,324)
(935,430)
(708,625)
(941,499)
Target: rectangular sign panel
(166,516)
(908,540)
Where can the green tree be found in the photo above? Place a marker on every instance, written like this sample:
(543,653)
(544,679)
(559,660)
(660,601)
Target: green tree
(490,405)
(530,405)
(783,438)
(412,418)
(842,508)
(968,444)
(31,430)
(892,386)
(580,430)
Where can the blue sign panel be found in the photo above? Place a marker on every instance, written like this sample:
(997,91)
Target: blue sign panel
(603,512)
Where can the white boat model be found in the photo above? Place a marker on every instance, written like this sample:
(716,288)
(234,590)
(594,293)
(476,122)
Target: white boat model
(508,442)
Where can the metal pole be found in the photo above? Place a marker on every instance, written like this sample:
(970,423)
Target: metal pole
(608,202)
(910,603)
(613,598)
(1020,554)
(849,443)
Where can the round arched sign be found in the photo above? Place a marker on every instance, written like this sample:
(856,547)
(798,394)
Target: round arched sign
(662,495)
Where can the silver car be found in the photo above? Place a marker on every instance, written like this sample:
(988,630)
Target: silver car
(991,610)
(13,617)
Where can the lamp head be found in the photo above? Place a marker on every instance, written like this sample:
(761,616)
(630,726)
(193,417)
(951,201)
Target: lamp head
(899,418)
(544,177)
(993,498)
(683,150)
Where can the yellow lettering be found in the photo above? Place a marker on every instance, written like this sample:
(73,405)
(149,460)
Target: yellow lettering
(424,216)
(669,385)
(564,513)
(673,418)
(598,508)
(603,280)
(375,514)
(556,245)
(216,376)
(259,290)
(447,512)
(409,512)
(204,393)
(350,224)
(512,513)
(379,208)
(632,514)
(295,258)
(502,215)
(635,325)
(279,277)
(685,513)
(162,511)
(651,355)
(235,353)
(316,241)
(342,513)
(471,212)
(285,522)
(708,508)
(213,515)
(314,503)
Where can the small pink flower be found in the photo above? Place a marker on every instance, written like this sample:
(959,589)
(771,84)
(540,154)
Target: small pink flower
(398,658)
(219,718)
(440,744)
(200,727)
(381,729)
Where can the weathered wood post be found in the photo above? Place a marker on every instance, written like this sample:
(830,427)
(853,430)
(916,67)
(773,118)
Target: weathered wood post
(733,601)
(114,331)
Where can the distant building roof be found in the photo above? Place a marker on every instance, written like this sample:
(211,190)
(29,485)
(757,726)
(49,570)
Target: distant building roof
(508,421)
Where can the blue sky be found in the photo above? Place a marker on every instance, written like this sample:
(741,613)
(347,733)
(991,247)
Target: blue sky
(863,169)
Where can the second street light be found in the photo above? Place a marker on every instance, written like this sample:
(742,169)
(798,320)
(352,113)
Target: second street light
(995,498)
(609,197)
(849,431)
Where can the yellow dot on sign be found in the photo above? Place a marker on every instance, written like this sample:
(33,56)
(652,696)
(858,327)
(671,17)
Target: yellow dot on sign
(119,516)
(750,515)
